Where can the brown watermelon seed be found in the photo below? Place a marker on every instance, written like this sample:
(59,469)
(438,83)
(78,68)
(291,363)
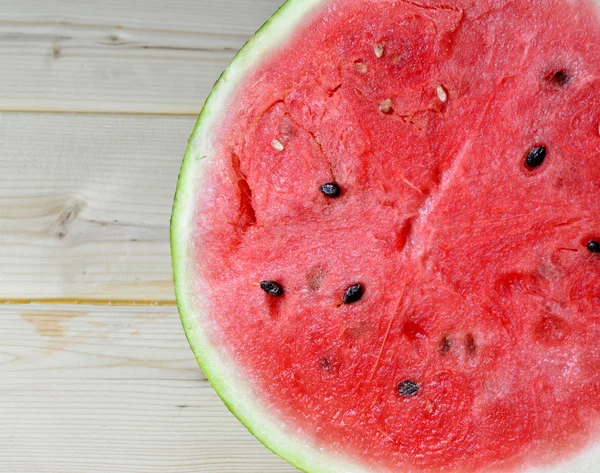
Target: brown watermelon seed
(408,388)
(378,48)
(559,78)
(331,189)
(593,246)
(272,288)
(470,344)
(445,345)
(353,294)
(386,106)
(535,157)
(315,278)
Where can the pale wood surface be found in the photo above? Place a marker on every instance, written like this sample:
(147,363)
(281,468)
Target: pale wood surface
(85,204)
(120,56)
(97,100)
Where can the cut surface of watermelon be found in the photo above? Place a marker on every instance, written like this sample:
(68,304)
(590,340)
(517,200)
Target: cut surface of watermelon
(386,236)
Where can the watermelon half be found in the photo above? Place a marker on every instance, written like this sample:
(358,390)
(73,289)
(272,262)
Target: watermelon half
(386,236)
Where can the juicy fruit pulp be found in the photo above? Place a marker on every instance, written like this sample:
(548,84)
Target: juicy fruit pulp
(463,138)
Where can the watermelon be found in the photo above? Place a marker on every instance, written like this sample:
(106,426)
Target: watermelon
(386,236)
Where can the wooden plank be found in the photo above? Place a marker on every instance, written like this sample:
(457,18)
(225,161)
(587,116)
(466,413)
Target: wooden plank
(96,389)
(114,56)
(230,17)
(85,204)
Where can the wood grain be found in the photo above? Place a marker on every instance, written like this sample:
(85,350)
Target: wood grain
(130,56)
(85,204)
(102,389)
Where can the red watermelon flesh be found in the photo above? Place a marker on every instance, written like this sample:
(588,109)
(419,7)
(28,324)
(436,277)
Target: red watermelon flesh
(475,345)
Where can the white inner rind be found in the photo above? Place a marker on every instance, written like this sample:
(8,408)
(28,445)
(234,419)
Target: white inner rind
(225,376)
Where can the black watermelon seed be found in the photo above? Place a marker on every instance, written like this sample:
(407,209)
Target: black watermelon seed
(408,388)
(331,189)
(535,157)
(353,294)
(593,246)
(272,288)
(559,78)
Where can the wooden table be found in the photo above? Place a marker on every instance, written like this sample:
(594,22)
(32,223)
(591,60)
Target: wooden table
(97,100)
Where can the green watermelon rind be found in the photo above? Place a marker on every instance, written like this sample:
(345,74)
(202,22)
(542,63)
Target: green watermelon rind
(223,375)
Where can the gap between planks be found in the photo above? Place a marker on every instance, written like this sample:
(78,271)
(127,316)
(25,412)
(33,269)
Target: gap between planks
(92,302)
(108,111)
